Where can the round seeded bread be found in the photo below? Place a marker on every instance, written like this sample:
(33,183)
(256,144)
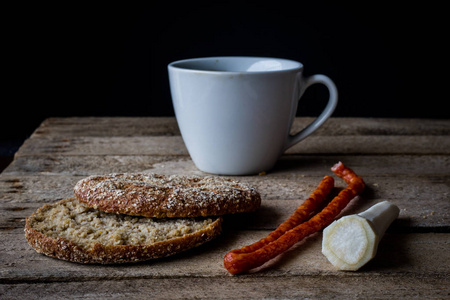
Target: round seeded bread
(161,196)
(70,230)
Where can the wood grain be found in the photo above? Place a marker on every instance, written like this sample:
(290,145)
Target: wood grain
(406,161)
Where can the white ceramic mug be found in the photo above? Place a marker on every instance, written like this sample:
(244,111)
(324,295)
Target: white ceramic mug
(235,113)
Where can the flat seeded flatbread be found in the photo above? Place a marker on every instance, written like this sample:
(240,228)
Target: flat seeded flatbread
(70,230)
(162,196)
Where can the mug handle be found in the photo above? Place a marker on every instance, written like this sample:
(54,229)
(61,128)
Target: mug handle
(326,113)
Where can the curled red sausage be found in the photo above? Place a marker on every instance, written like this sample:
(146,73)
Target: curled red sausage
(237,261)
(300,215)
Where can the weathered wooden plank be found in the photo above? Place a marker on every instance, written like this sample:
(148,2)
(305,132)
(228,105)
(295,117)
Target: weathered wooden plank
(372,145)
(419,254)
(426,218)
(423,199)
(86,165)
(307,165)
(292,287)
(19,189)
(150,126)
(107,126)
(376,126)
(174,145)
(158,145)
(365,165)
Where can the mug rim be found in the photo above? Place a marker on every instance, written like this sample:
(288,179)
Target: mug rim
(183,64)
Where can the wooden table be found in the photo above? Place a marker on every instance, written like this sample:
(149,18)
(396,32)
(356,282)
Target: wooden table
(402,160)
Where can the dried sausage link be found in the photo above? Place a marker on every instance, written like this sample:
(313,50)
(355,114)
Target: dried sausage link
(241,262)
(301,214)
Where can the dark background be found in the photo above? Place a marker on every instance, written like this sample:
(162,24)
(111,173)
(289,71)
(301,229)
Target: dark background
(110,60)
